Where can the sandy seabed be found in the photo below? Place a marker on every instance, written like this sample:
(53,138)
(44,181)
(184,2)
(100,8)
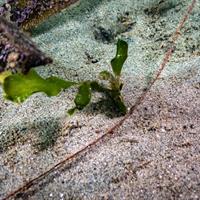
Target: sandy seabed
(155,154)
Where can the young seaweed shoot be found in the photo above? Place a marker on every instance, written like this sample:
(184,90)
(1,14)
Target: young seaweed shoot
(18,87)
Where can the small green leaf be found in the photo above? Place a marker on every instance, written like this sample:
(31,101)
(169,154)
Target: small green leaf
(71,111)
(120,58)
(18,87)
(83,96)
(4,75)
(106,75)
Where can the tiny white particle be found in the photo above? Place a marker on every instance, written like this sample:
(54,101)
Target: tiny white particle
(61,195)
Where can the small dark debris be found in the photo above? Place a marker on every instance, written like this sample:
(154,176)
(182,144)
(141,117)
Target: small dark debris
(184,127)
(192,126)
(159,8)
(125,23)
(19,195)
(183,145)
(129,140)
(115,180)
(91,59)
(104,35)
(152,129)
(168,128)
(107,33)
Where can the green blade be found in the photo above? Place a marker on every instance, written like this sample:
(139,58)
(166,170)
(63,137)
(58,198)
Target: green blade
(121,56)
(18,87)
